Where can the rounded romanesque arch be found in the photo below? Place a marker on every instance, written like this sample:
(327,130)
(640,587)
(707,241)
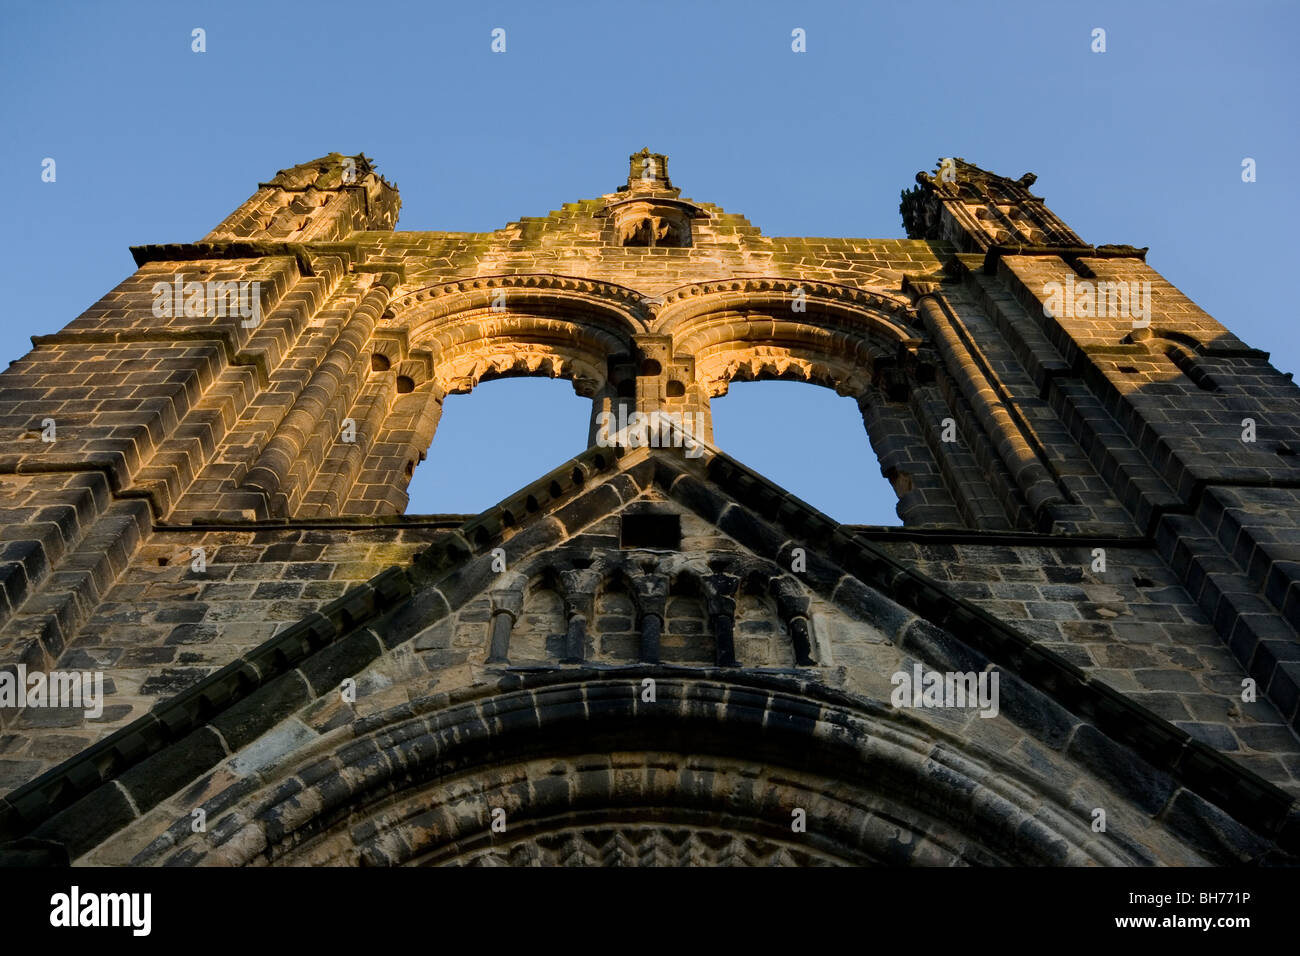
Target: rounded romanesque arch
(751,329)
(580,768)
(445,339)
(864,344)
(497,326)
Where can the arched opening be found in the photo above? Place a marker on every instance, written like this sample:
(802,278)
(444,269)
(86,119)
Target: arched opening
(538,635)
(686,638)
(761,635)
(811,442)
(616,620)
(495,440)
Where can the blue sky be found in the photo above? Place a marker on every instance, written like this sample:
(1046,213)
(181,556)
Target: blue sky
(1141,144)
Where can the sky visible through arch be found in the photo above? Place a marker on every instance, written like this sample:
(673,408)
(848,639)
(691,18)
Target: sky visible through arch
(839,474)
(1142,144)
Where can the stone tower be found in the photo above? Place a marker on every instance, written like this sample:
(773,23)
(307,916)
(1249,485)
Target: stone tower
(1079,648)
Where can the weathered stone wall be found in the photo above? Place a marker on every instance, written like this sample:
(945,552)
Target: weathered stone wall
(164,625)
(1132,626)
(1018,441)
(862,640)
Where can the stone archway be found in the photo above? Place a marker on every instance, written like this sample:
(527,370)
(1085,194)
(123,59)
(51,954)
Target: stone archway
(863,344)
(627,352)
(581,767)
(446,339)
(495,326)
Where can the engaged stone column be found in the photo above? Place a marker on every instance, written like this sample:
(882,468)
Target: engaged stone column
(792,605)
(720,596)
(507,605)
(579,592)
(801,638)
(651,627)
(651,597)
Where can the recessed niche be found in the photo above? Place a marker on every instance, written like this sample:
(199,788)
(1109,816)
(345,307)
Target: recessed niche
(651,224)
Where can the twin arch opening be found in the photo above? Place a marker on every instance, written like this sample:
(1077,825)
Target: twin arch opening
(674,352)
